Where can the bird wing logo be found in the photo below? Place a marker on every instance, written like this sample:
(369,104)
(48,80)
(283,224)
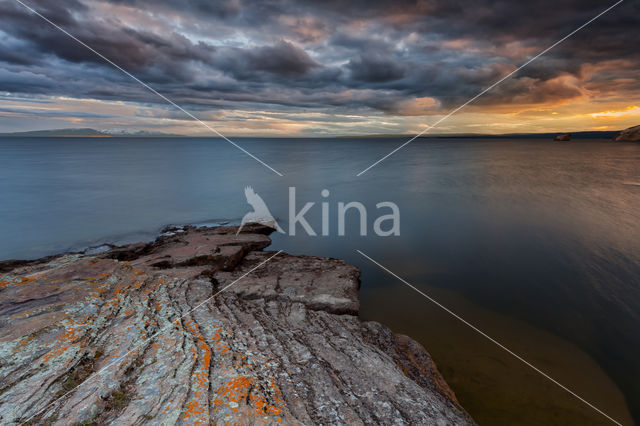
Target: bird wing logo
(260,213)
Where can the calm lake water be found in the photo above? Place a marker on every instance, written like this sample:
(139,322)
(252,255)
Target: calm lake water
(535,242)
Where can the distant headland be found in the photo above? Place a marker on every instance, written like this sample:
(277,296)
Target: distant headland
(88,133)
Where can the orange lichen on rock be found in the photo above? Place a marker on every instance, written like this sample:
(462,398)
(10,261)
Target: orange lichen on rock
(158,285)
(220,346)
(193,409)
(200,377)
(112,303)
(67,338)
(242,390)
(99,277)
(234,390)
(21,280)
(23,342)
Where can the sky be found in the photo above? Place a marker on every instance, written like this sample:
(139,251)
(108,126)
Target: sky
(326,68)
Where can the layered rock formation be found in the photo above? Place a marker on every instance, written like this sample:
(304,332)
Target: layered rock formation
(203,326)
(632,134)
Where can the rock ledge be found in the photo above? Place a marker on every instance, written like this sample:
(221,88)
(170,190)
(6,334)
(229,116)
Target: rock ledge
(123,337)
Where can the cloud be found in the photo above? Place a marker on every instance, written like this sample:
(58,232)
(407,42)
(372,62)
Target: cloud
(406,59)
(629,111)
(373,68)
(415,106)
(282,59)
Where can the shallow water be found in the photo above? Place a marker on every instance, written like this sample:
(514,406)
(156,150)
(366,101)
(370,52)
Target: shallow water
(540,234)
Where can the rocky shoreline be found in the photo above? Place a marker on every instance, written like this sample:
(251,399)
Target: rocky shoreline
(204,326)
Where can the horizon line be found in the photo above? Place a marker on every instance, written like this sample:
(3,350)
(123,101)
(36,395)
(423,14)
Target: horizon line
(105,134)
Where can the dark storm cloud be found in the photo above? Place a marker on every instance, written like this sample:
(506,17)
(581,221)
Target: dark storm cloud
(217,9)
(283,59)
(374,68)
(333,55)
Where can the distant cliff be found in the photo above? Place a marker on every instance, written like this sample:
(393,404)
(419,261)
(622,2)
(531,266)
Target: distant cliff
(632,134)
(203,326)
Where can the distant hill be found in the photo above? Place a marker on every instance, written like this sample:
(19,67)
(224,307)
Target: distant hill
(109,133)
(87,133)
(574,135)
(58,132)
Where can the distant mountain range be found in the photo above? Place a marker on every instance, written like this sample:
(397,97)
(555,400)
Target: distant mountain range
(89,133)
(107,133)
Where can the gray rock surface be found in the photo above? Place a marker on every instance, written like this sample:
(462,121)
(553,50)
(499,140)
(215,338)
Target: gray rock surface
(184,331)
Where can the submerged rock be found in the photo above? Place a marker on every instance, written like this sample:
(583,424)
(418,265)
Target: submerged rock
(632,134)
(203,326)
